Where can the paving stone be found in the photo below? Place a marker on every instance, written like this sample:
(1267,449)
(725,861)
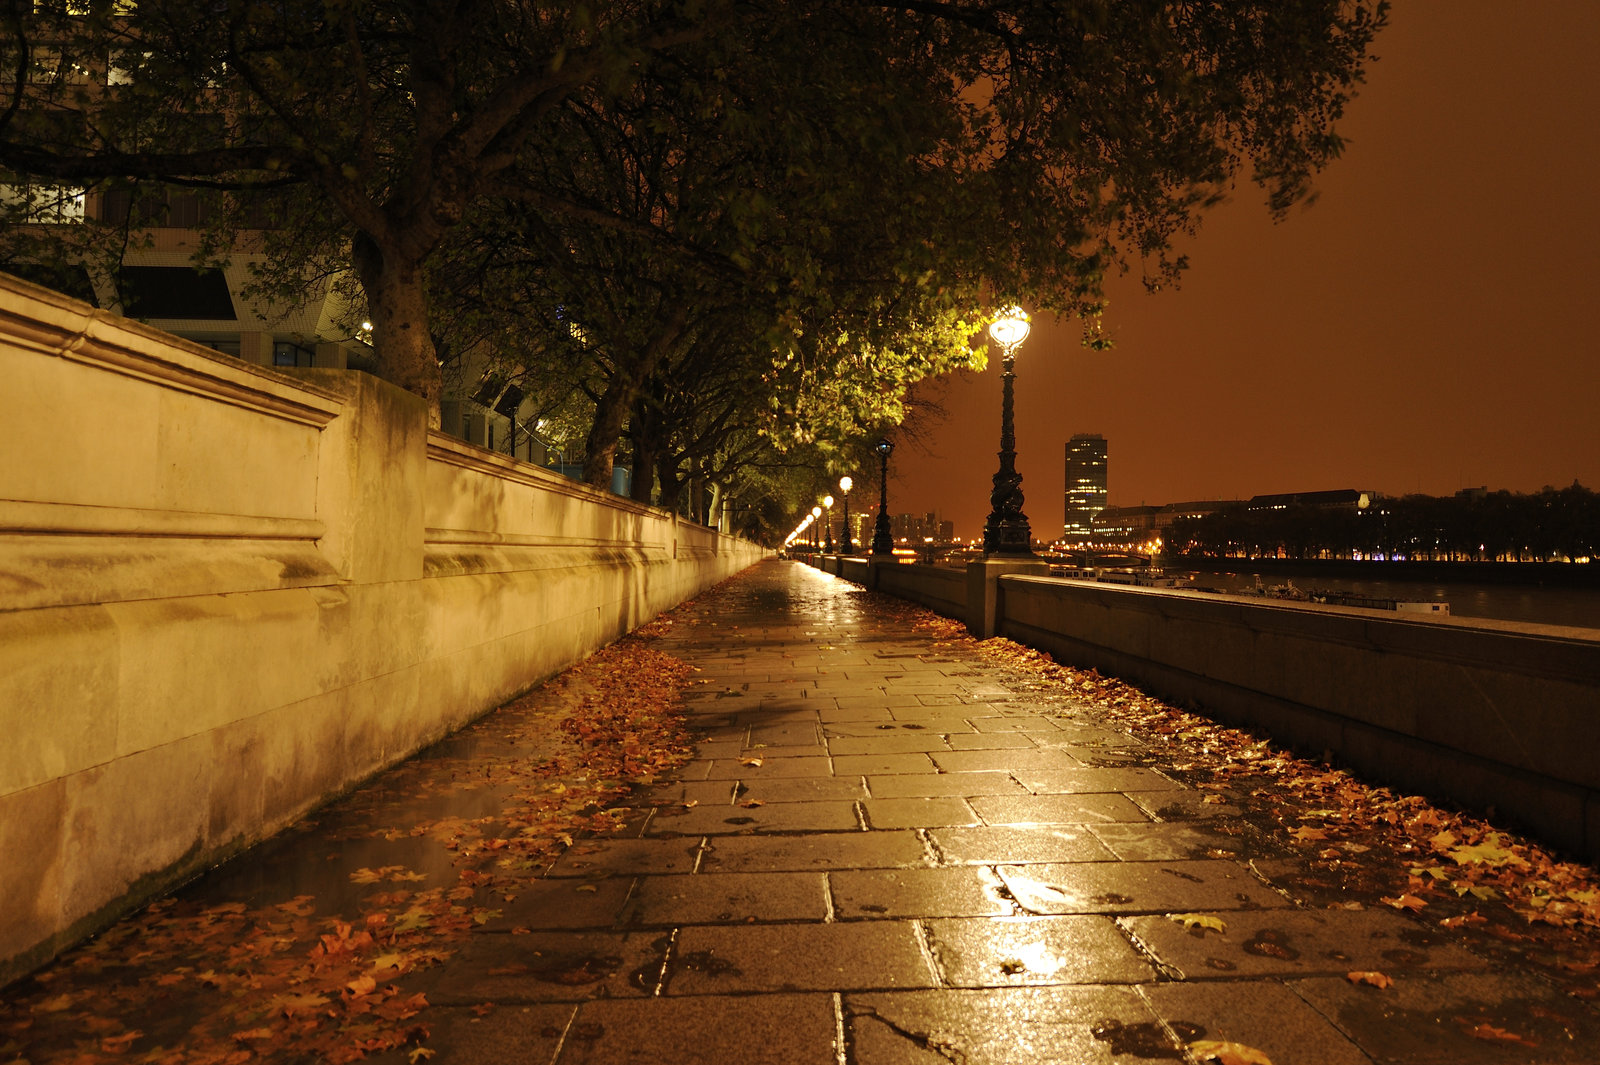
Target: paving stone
(1137,887)
(957,892)
(1055,809)
(1429,1019)
(800,789)
(513,1035)
(868,764)
(917,813)
(1300,943)
(1157,841)
(1259,1013)
(934,715)
(546,967)
(1004,761)
(766,751)
(728,897)
(1015,844)
(798,957)
(990,741)
(1077,736)
(596,859)
(750,1030)
(1005,1026)
(740,769)
(821,850)
(825,816)
(565,903)
(1182,805)
(1019,723)
(893,743)
(1078,781)
(676,793)
(1022,951)
(853,713)
(927,786)
(880,729)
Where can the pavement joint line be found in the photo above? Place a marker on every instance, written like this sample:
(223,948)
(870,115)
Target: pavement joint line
(930,954)
(840,1055)
(561,1040)
(829,915)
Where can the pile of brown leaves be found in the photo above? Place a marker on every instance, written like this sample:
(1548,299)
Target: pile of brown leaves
(224,983)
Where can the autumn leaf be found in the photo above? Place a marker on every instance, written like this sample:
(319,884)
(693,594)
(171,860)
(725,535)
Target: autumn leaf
(1493,1034)
(1227,1053)
(118,1044)
(756,762)
(250,1035)
(1463,920)
(1306,834)
(690,804)
(1489,852)
(364,985)
(1404,902)
(1216,800)
(751,804)
(419,1054)
(1375,979)
(1191,921)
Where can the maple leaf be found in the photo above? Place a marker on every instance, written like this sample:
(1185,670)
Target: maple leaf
(419,1054)
(1305,834)
(1191,921)
(1375,979)
(362,985)
(1228,1053)
(1404,902)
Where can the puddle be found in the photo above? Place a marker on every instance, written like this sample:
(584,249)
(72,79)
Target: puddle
(1147,1039)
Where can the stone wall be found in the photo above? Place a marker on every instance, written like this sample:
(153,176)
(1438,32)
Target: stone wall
(227,594)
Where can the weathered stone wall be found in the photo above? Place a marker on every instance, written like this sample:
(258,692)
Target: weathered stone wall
(227,594)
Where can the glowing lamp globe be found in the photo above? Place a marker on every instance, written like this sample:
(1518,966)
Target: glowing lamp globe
(1010,327)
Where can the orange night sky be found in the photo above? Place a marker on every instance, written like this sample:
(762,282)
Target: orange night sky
(1427,324)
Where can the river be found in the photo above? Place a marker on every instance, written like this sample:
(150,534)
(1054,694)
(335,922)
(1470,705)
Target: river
(1578,607)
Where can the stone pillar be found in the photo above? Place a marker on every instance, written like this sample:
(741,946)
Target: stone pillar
(372,478)
(983,590)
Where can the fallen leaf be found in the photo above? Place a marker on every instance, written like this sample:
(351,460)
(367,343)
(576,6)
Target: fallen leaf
(1404,902)
(1214,800)
(1202,921)
(1500,1035)
(586,887)
(1378,980)
(751,804)
(250,1035)
(1305,834)
(1228,1053)
(1464,919)
(690,804)
(118,1044)
(362,985)
(750,762)
(419,1054)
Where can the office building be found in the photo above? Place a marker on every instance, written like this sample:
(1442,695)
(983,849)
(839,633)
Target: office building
(1086,485)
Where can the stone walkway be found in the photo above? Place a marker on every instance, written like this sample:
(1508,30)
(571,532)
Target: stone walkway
(886,854)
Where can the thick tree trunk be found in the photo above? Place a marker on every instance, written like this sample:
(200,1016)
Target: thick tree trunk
(645,449)
(397,302)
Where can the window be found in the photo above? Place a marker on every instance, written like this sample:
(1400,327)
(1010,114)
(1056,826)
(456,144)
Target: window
(49,204)
(286,353)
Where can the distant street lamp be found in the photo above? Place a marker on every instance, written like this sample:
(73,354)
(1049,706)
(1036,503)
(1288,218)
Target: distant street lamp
(827,504)
(845,544)
(882,538)
(816,512)
(1006,532)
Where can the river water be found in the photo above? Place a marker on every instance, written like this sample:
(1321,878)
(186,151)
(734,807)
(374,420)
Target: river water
(1504,602)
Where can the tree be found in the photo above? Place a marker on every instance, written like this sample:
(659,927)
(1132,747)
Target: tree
(969,154)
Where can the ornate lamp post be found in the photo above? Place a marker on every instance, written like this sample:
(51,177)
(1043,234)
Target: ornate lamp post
(1006,532)
(816,512)
(882,538)
(827,504)
(845,544)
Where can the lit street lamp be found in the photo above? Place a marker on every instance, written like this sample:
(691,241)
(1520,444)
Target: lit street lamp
(816,512)
(845,544)
(827,503)
(882,538)
(1006,532)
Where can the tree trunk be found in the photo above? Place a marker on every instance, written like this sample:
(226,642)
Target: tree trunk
(645,449)
(612,408)
(397,303)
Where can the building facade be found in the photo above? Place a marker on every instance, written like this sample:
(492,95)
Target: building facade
(1087,478)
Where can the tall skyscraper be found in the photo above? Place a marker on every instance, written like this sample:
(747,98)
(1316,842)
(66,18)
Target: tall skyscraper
(1086,484)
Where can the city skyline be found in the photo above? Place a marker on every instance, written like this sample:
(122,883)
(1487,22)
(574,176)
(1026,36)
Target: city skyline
(1422,327)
